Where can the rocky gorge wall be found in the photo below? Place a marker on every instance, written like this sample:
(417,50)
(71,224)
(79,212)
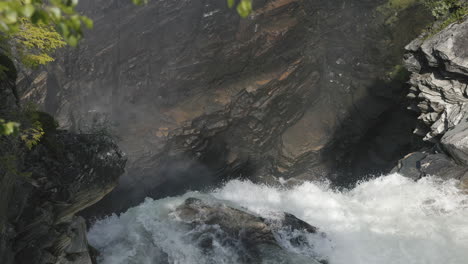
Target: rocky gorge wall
(299,90)
(439,88)
(44,185)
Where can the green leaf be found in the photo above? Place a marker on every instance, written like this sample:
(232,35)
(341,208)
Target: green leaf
(27,10)
(40,16)
(8,128)
(72,40)
(10,17)
(88,22)
(139,2)
(231,3)
(56,12)
(62,28)
(75,22)
(244,8)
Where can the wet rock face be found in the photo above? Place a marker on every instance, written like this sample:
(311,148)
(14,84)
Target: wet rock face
(247,234)
(198,95)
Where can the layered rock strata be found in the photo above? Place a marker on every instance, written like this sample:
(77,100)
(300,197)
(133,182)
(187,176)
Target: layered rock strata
(439,86)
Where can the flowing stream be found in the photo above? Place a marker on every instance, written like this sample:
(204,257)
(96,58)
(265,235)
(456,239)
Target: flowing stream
(390,219)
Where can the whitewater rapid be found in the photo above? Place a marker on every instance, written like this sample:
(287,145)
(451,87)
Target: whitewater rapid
(388,220)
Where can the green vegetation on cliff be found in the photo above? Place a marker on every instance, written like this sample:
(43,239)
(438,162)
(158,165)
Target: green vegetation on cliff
(35,43)
(59,13)
(433,16)
(30,32)
(445,11)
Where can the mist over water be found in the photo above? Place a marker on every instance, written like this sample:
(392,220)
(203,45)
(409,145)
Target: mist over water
(390,219)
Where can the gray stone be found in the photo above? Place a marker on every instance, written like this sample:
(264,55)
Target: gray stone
(253,237)
(78,243)
(239,224)
(448,49)
(455,142)
(410,166)
(422,164)
(442,166)
(440,78)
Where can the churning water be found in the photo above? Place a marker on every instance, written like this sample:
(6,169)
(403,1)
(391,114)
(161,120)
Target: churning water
(390,219)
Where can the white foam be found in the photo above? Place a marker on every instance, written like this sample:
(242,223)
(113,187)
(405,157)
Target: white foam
(386,220)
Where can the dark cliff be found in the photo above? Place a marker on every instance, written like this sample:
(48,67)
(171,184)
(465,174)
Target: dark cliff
(44,184)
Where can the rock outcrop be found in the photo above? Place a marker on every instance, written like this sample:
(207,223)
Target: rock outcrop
(198,95)
(44,186)
(439,66)
(249,235)
(439,79)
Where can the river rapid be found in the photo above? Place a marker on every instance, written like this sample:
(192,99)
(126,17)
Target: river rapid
(387,220)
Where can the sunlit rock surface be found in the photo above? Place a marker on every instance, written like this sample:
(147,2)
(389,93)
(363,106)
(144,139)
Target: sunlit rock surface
(439,89)
(440,78)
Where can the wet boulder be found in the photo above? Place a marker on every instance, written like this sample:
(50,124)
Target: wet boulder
(252,237)
(432,163)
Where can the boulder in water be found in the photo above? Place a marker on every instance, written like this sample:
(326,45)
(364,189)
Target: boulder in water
(252,237)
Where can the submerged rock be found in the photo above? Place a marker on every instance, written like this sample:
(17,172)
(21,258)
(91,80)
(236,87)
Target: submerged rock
(252,237)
